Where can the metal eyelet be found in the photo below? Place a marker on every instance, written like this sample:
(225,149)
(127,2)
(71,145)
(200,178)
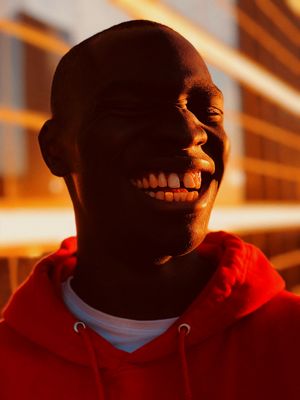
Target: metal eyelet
(77,325)
(186,327)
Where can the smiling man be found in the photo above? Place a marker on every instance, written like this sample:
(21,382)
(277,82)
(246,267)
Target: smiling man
(144,303)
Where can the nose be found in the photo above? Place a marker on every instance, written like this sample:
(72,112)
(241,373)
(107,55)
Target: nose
(182,129)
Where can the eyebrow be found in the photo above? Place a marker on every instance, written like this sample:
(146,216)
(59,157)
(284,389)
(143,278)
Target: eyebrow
(210,89)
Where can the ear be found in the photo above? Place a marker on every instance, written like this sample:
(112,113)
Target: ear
(54,148)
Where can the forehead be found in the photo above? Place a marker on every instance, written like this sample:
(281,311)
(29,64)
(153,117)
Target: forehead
(147,61)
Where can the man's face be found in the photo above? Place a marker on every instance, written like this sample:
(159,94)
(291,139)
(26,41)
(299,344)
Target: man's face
(151,149)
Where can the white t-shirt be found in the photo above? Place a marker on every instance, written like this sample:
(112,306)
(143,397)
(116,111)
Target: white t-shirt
(122,333)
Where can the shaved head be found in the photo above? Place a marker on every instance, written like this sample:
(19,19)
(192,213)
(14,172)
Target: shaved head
(80,70)
(86,68)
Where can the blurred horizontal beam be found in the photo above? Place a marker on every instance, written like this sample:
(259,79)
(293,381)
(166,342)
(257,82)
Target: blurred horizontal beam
(37,228)
(254,218)
(265,129)
(280,20)
(33,36)
(25,118)
(286,260)
(268,168)
(215,52)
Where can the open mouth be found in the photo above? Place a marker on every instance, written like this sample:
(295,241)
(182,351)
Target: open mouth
(173,187)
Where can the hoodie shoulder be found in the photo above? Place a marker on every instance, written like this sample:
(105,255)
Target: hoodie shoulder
(15,353)
(284,308)
(12,345)
(277,323)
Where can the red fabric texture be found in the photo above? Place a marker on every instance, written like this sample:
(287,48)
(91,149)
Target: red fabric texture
(243,342)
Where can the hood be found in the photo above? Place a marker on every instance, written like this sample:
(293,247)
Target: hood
(243,282)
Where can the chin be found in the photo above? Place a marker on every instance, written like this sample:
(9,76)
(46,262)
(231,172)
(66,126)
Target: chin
(189,242)
(175,241)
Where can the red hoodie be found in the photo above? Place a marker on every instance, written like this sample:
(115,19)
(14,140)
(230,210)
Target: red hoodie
(241,340)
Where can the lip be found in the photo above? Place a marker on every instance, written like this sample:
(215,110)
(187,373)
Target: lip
(176,164)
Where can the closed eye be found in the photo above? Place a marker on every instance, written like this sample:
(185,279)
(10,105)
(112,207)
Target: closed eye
(207,115)
(207,106)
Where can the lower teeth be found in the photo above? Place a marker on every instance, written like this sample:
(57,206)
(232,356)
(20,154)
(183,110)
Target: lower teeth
(174,196)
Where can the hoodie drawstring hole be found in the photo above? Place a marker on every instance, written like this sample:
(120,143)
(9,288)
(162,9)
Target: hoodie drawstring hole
(185,327)
(78,325)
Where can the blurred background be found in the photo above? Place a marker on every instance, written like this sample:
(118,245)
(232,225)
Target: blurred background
(253,52)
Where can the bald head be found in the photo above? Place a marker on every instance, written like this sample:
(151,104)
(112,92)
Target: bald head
(124,54)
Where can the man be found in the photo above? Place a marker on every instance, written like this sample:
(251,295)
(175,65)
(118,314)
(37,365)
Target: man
(145,304)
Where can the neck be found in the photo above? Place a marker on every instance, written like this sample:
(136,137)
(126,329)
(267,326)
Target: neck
(137,287)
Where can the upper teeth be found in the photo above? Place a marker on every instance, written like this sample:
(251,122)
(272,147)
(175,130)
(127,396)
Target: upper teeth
(189,180)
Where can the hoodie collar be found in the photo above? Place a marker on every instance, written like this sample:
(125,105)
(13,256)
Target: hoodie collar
(243,281)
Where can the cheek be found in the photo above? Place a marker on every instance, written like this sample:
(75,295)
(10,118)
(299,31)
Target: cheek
(110,130)
(217,141)
(102,189)
(217,147)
